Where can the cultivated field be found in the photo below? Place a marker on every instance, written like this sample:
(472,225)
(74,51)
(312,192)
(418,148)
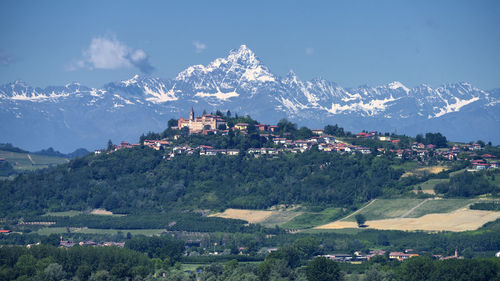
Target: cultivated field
(459,220)
(433,206)
(85,230)
(311,219)
(101,212)
(425,170)
(385,208)
(266,218)
(26,161)
(252,216)
(428,186)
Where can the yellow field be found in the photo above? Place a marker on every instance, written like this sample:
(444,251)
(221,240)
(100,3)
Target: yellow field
(252,216)
(425,191)
(104,212)
(459,220)
(428,170)
(266,218)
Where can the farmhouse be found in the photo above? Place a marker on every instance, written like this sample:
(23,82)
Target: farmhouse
(241,126)
(401,256)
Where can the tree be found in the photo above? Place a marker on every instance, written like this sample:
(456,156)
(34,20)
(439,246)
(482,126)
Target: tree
(416,268)
(334,130)
(110,145)
(323,269)
(172,123)
(185,131)
(360,219)
(286,126)
(53,272)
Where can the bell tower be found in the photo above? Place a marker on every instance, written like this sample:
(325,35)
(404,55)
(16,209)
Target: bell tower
(191,114)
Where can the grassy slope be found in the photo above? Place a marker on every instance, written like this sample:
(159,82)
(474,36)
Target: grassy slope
(429,185)
(311,219)
(440,206)
(387,208)
(21,161)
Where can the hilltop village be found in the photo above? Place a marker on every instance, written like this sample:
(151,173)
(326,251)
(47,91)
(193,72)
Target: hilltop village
(276,139)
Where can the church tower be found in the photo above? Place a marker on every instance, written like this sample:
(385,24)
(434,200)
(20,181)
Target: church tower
(191,114)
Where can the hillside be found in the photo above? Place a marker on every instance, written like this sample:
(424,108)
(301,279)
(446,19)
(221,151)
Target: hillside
(140,180)
(26,161)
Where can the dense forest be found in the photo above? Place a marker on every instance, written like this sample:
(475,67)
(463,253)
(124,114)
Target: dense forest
(46,262)
(466,185)
(140,180)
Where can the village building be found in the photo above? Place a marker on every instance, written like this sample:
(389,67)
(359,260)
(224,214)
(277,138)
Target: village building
(241,126)
(401,256)
(200,123)
(317,132)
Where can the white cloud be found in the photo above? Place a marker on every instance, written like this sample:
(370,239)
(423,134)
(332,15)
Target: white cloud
(309,51)
(109,53)
(199,47)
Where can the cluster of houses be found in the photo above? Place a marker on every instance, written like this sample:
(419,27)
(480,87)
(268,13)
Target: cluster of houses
(214,124)
(359,257)
(68,244)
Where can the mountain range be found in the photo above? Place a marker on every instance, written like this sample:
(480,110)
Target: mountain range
(74,115)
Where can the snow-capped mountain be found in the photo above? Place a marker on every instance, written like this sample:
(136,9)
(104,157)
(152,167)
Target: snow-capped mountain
(71,116)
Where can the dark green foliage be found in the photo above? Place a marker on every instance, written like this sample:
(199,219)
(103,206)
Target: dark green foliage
(466,185)
(488,206)
(6,169)
(424,268)
(172,123)
(140,181)
(157,247)
(334,130)
(416,269)
(80,152)
(286,126)
(11,148)
(50,263)
(172,221)
(436,139)
(323,269)
(360,219)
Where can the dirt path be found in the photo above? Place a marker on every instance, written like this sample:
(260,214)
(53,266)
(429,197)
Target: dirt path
(32,162)
(359,210)
(413,209)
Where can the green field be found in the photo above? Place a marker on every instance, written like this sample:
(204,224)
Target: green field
(409,208)
(61,230)
(64,214)
(440,206)
(387,208)
(429,185)
(350,231)
(312,219)
(280,218)
(26,161)
(406,166)
(496,177)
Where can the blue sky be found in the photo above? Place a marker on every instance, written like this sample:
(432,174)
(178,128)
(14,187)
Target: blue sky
(348,42)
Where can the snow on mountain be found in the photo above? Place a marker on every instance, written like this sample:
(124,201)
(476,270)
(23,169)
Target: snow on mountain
(241,83)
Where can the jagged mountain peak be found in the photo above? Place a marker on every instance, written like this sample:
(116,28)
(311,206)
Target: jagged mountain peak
(131,81)
(240,64)
(243,55)
(398,85)
(291,77)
